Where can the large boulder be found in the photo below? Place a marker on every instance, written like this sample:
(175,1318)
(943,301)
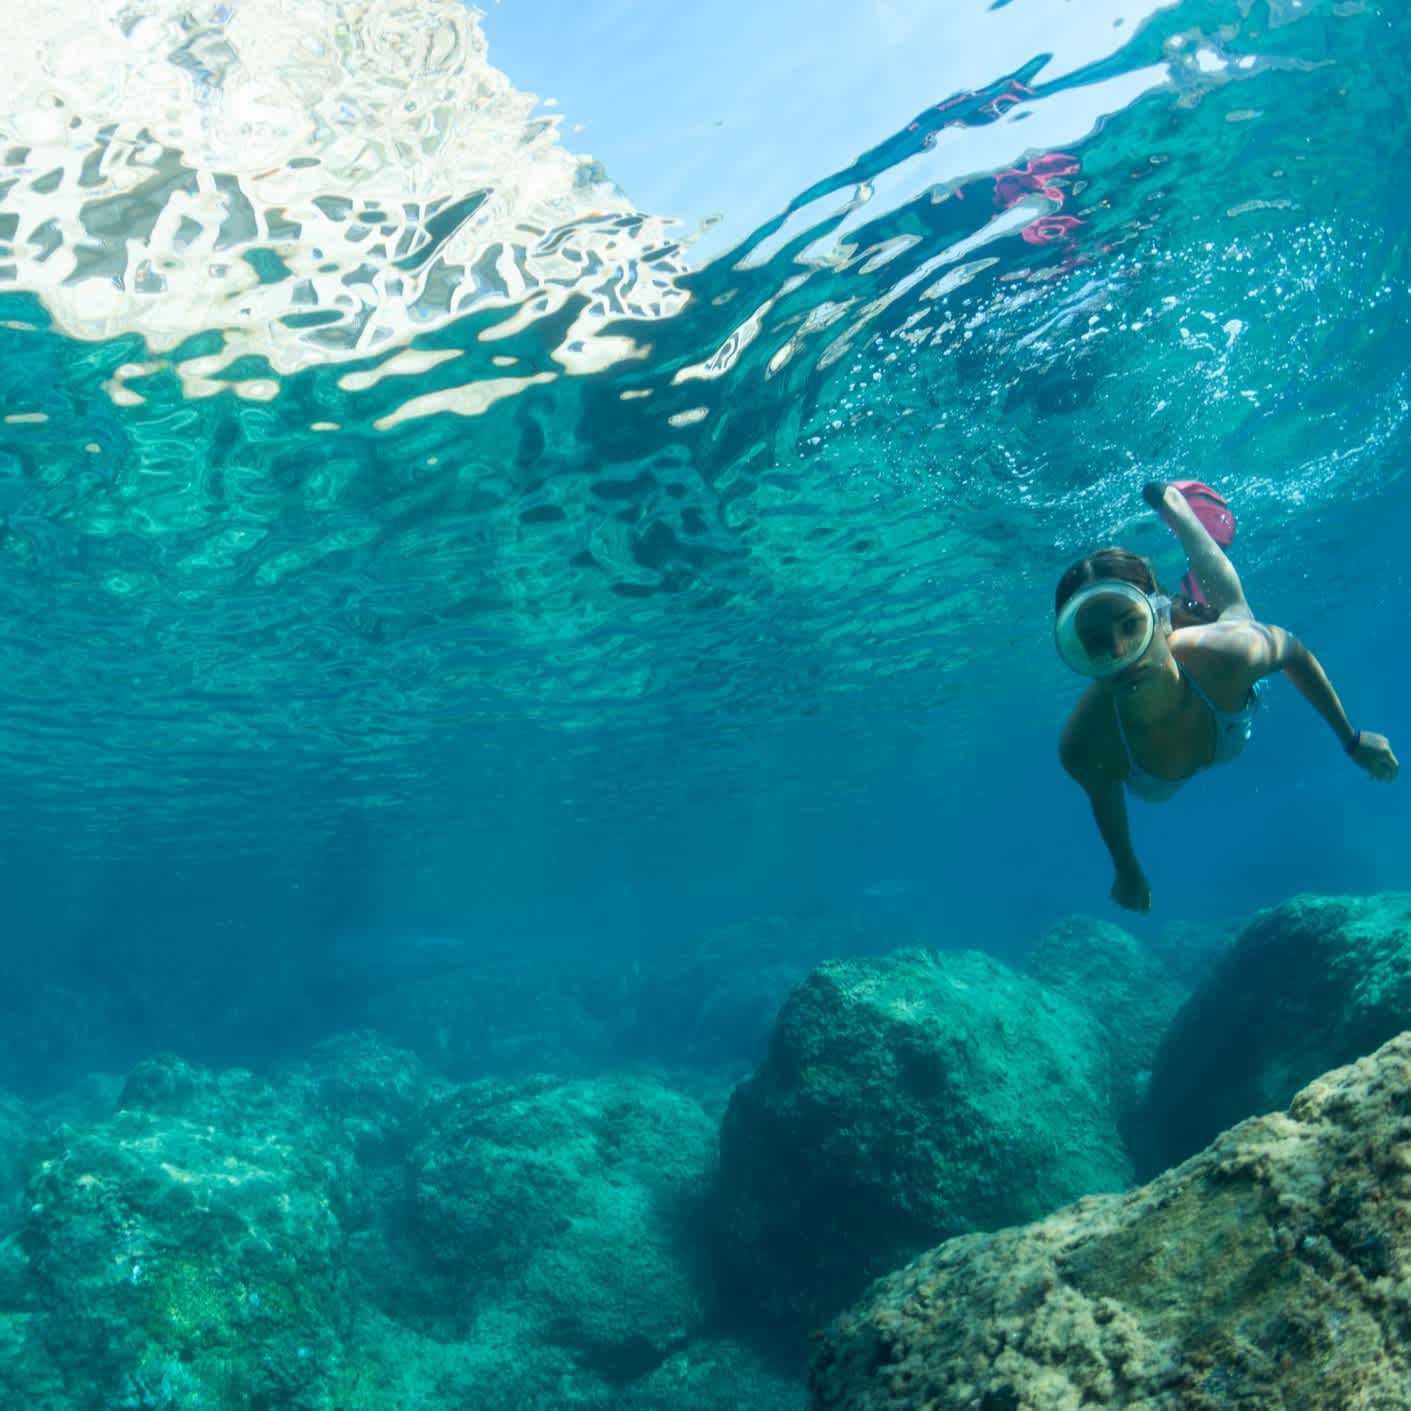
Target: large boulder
(904,1100)
(1270,1273)
(1306,986)
(573,1208)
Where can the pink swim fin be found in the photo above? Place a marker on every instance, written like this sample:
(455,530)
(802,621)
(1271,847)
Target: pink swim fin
(1209,507)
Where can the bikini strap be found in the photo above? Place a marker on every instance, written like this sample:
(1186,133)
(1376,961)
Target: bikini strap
(1220,715)
(1200,691)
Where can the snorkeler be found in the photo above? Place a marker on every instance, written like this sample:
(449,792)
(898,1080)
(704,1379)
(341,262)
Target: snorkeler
(1175,684)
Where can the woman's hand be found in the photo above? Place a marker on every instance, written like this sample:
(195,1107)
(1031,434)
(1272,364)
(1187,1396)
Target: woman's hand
(1374,754)
(1131,891)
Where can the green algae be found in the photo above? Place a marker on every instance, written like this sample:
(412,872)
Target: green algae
(189,1308)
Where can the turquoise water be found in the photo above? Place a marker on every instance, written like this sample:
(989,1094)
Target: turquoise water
(404,533)
(522,534)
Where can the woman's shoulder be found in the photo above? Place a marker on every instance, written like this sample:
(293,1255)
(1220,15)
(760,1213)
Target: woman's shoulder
(1231,637)
(1223,657)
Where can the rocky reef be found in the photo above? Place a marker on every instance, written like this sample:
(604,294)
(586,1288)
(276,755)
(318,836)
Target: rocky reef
(552,1220)
(355,1232)
(1270,1272)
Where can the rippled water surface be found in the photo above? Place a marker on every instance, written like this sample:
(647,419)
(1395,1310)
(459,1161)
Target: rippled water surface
(373,463)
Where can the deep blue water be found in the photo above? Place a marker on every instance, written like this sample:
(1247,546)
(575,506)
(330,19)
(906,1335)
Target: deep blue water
(721,589)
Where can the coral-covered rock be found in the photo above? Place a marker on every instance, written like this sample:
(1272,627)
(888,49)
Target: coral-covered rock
(576,1205)
(503,1365)
(1306,986)
(1270,1273)
(26,1376)
(904,1100)
(186,1252)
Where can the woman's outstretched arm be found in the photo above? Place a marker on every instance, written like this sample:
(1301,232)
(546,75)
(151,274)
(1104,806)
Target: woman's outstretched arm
(1268,649)
(1372,751)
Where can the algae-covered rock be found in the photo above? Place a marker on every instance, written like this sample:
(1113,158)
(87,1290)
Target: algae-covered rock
(904,1100)
(1272,1272)
(1308,985)
(186,1252)
(577,1204)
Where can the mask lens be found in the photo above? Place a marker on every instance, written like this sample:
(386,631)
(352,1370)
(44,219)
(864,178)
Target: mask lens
(1105,628)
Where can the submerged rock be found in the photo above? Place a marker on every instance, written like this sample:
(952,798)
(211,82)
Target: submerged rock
(1270,1273)
(576,1207)
(903,1101)
(1306,986)
(186,1252)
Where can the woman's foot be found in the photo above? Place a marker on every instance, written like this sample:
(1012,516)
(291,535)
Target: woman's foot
(1154,492)
(1173,500)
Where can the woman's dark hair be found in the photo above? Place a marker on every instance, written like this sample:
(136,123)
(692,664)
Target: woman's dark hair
(1115,562)
(1106,563)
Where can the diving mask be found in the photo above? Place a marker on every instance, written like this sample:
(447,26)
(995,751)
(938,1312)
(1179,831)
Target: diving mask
(1107,626)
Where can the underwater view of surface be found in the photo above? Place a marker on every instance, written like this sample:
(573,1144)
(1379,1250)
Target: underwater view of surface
(494,502)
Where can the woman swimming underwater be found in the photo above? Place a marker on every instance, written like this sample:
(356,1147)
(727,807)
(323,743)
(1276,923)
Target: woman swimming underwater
(1175,686)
